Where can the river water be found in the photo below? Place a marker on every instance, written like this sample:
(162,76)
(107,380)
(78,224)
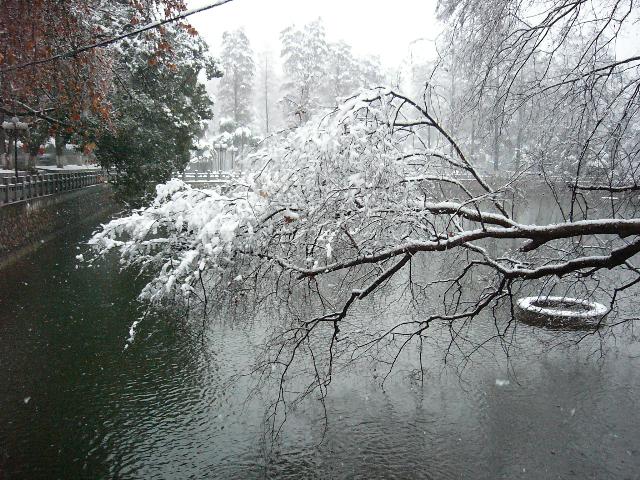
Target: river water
(74,403)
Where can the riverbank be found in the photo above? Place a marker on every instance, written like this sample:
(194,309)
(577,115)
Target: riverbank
(29,224)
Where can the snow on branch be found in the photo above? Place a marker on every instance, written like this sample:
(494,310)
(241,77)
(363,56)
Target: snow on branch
(353,204)
(347,190)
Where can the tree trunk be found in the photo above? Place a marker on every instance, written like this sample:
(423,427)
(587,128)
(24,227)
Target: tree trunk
(236,99)
(497,122)
(4,161)
(59,150)
(472,148)
(496,146)
(519,140)
(33,153)
(452,93)
(10,153)
(266,92)
(32,160)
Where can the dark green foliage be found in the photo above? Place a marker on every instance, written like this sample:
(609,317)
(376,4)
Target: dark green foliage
(162,108)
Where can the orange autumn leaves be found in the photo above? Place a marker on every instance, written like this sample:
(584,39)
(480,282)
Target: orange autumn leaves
(65,91)
(72,92)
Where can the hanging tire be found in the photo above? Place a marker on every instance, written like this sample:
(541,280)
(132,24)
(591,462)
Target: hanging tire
(561,313)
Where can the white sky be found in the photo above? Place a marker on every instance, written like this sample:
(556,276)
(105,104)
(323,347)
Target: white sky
(384,28)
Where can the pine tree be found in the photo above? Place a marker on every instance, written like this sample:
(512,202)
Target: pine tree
(236,86)
(304,54)
(342,72)
(346,74)
(268,114)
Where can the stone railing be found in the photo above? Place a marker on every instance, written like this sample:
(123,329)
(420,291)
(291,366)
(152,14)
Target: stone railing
(25,187)
(219,176)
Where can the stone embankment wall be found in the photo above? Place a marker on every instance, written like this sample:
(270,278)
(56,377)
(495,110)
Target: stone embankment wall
(25,225)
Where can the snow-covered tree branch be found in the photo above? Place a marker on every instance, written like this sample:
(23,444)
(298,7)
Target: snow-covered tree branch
(358,190)
(384,198)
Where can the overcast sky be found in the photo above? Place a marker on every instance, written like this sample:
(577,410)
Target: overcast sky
(371,26)
(391,29)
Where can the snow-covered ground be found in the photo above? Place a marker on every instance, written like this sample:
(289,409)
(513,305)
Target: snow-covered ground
(67,168)
(53,169)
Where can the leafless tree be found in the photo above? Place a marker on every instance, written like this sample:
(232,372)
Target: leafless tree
(379,204)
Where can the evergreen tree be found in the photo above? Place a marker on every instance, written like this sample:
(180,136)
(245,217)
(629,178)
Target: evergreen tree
(304,53)
(162,109)
(268,115)
(346,74)
(236,86)
(342,72)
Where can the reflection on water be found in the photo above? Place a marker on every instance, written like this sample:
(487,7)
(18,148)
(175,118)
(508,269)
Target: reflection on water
(75,404)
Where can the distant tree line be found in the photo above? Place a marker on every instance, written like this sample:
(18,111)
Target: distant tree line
(316,74)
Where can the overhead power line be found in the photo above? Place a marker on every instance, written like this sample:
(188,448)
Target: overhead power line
(110,41)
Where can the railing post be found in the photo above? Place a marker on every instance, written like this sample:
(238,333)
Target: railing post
(5,195)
